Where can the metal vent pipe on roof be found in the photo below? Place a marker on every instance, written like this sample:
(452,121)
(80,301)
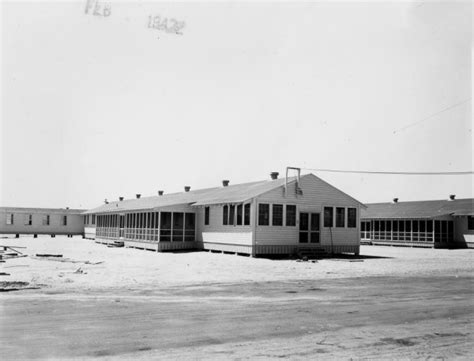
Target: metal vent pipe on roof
(395,200)
(225,183)
(187,188)
(274,175)
(120,199)
(138,195)
(106,201)
(160,193)
(452,197)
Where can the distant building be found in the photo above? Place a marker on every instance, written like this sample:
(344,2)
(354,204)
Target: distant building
(436,223)
(52,221)
(276,216)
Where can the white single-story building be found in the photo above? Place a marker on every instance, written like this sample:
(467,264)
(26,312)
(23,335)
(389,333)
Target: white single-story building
(434,223)
(270,217)
(35,221)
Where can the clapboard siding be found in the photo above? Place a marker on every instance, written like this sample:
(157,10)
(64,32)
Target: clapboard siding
(75,222)
(317,194)
(216,226)
(89,232)
(462,234)
(232,238)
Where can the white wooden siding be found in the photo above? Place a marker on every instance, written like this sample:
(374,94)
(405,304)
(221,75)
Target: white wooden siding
(89,232)
(75,223)
(216,225)
(317,194)
(229,238)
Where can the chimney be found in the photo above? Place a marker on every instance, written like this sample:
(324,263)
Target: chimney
(187,188)
(160,193)
(274,175)
(452,197)
(120,199)
(395,200)
(225,183)
(138,195)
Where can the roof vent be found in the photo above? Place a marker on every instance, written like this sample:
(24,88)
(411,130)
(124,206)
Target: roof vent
(106,201)
(187,188)
(225,183)
(452,197)
(160,193)
(67,207)
(395,200)
(138,195)
(120,199)
(274,175)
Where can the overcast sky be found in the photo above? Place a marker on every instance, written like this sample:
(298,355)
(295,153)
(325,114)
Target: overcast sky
(98,107)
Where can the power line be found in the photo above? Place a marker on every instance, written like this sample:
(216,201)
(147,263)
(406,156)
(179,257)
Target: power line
(432,115)
(385,173)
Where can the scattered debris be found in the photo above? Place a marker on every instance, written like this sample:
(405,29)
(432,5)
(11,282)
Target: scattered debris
(8,252)
(68,260)
(345,260)
(80,271)
(4,274)
(17,265)
(93,263)
(48,255)
(7,286)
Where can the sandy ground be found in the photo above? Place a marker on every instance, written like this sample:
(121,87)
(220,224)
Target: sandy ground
(117,303)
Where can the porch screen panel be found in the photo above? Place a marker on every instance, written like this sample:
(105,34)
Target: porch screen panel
(165,227)
(189,227)
(178,226)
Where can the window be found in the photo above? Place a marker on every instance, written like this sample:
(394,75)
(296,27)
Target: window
(10,218)
(290,215)
(263,214)
(231,214)
(239,215)
(206,216)
(93,219)
(328,216)
(247,214)
(28,220)
(470,222)
(225,215)
(352,217)
(64,220)
(46,220)
(340,216)
(277,216)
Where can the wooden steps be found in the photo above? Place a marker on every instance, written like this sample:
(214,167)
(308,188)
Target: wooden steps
(311,252)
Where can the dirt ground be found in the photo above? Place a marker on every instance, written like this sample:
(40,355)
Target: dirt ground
(115,303)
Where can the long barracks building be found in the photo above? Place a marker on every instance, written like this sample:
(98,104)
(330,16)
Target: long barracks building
(444,223)
(275,216)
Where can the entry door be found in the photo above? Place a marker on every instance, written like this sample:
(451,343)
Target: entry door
(309,227)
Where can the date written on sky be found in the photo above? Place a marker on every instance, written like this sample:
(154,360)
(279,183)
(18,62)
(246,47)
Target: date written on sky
(172,26)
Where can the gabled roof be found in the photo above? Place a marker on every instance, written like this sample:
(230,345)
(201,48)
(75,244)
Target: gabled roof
(236,193)
(419,209)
